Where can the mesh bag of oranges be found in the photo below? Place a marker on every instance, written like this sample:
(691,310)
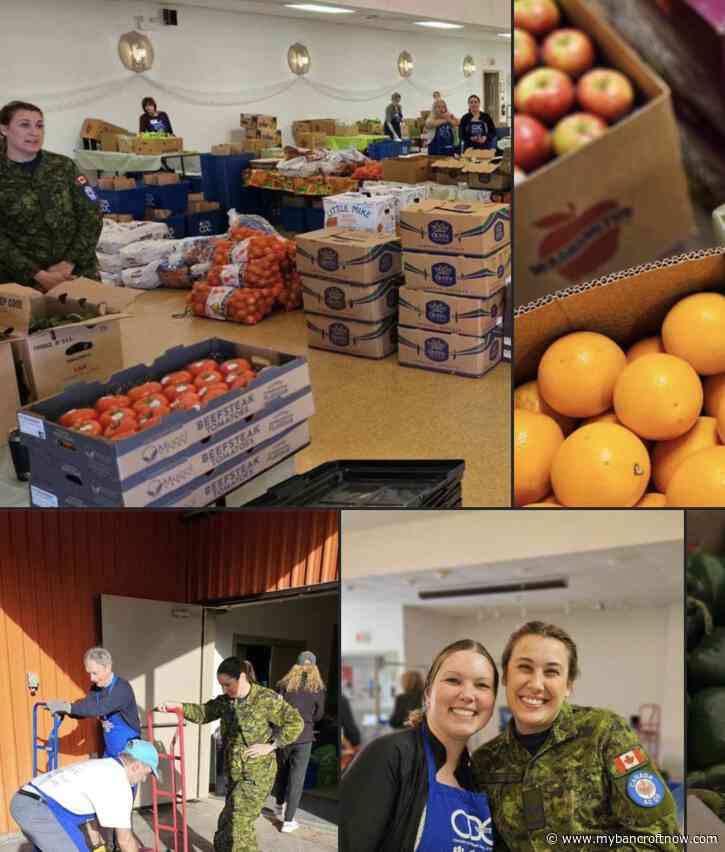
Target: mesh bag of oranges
(600,426)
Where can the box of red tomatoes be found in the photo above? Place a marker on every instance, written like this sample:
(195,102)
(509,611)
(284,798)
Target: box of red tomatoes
(599,179)
(151,433)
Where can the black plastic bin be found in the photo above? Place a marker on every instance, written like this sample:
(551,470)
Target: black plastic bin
(378,484)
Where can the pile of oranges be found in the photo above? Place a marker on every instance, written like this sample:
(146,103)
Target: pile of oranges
(645,428)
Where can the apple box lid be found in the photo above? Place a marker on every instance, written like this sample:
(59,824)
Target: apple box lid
(345,236)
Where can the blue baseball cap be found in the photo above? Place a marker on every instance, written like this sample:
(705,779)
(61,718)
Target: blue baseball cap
(144,752)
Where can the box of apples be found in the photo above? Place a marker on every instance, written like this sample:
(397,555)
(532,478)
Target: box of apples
(598,166)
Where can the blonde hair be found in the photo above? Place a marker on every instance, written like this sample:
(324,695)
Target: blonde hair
(306,678)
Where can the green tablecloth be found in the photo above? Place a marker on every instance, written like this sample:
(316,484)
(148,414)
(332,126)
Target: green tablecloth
(339,143)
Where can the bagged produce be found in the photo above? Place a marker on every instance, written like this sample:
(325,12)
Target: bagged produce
(146,251)
(142,277)
(116,235)
(109,262)
(237,304)
(249,220)
(112,278)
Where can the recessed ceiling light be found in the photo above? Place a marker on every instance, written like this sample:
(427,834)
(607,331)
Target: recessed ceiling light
(313,7)
(439,25)
(504,35)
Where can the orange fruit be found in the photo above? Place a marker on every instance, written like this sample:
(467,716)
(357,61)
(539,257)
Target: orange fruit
(577,373)
(542,506)
(714,390)
(658,396)
(647,346)
(699,480)
(607,417)
(536,440)
(527,396)
(652,500)
(694,329)
(602,464)
(667,455)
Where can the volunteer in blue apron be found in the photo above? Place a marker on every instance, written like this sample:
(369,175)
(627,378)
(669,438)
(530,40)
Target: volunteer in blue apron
(152,120)
(393,118)
(412,791)
(477,128)
(57,811)
(111,700)
(440,123)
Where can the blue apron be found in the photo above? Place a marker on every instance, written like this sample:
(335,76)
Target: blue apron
(120,733)
(442,143)
(478,128)
(454,819)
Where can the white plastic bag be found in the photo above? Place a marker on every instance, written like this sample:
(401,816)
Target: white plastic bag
(142,277)
(146,251)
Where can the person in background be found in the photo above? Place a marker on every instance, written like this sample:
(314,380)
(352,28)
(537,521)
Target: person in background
(441,124)
(413,789)
(50,218)
(302,687)
(254,722)
(477,128)
(153,121)
(393,118)
(410,699)
(563,769)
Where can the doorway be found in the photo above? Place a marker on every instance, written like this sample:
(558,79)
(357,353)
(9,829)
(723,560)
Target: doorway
(271,658)
(492,100)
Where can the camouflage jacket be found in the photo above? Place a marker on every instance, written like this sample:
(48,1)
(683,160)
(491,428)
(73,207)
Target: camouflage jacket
(47,216)
(262,715)
(590,777)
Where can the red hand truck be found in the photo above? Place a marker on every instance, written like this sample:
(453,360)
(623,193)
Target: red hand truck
(177,793)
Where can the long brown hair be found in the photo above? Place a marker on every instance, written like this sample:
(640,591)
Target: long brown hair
(547,631)
(233,667)
(417,716)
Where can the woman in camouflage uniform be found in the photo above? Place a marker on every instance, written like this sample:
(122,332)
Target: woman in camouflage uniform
(50,220)
(254,722)
(560,769)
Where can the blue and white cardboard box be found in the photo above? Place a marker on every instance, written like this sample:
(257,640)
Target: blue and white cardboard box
(458,274)
(352,337)
(370,303)
(449,353)
(355,257)
(450,312)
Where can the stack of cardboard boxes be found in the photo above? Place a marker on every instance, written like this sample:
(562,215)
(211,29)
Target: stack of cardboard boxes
(153,145)
(186,213)
(456,260)
(260,132)
(350,282)
(313,132)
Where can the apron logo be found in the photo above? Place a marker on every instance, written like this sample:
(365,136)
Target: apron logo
(470,827)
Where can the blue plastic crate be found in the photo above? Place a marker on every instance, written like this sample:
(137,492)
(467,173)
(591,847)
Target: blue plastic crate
(293,218)
(194,183)
(221,178)
(177,227)
(314,218)
(204,224)
(174,197)
(123,201)
(270,203)
(385,150)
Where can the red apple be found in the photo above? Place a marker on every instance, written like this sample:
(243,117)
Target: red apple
(605,92)
(568,50)
(532,143)
(545,93)
(526,52)
(576,130)
(537,17)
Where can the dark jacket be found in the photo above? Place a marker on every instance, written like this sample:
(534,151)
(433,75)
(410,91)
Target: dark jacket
(120,699)
(405,703)
(349,727)
(464,131)
(311,706)
(145,126)
(385,790)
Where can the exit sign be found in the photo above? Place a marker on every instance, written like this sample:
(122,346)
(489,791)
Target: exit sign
(363,637)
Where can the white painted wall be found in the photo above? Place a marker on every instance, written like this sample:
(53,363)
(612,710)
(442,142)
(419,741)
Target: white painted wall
(628,658)
(51,49)
(382,621)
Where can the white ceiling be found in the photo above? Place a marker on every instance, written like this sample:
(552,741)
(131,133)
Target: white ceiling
(617,578)
(364,16)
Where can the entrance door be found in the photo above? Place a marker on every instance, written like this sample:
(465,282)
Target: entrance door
(157,647)
(271,658)
(492,95)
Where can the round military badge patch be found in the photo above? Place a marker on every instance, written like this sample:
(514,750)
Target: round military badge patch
(81,180)
(645,789)
(90,193)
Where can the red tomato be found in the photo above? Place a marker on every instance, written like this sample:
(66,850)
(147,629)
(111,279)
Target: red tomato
(177,378)
(77,415)
(211,392)
(117,416)
(185,402)
(239,382)
(150,403)
(140,391)
(208,377)
(88,427)
(112,401)
(234,365)
(119,434)
(173,392)
(203,366)
(149,420)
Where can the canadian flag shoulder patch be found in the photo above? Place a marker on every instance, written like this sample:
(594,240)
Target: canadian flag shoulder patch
(628,761)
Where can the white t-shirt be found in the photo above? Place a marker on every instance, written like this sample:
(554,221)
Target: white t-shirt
(99,786)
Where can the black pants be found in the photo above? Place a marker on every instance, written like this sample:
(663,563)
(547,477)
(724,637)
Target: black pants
(291,770)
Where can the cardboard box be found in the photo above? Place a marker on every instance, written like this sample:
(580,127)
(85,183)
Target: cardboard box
(11,394)
(118,217)
(359,212)
(353,257)
(121,183)
(311,140)
(221,150)
(105,183)
(447,312)
(351,337)
(109,141)
(448,353)
(365,303)
(167,179)
(94,128)
(343,129)
(90,349)
(236,148)
(403,195)
(620,201)
(254,146)
(153,145)
(458,274)
(149,178)
(471,228)
(411,168)
(115,467)
(625,307)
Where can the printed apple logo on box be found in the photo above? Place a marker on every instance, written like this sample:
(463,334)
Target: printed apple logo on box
(576,245)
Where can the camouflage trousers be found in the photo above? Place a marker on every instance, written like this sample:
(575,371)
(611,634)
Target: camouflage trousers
(244,803)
